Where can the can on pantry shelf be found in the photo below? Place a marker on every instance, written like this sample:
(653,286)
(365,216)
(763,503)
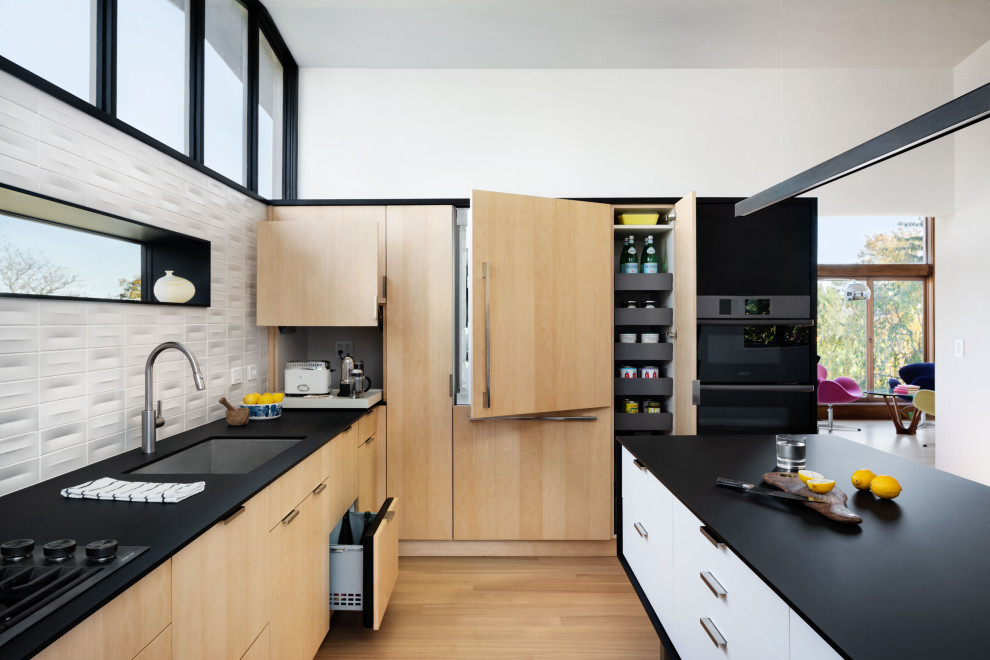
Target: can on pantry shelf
(627,372)
(629,304)
(649,304)
(652,407)
(627,338)
(649,372)
(630,406)
(651,337)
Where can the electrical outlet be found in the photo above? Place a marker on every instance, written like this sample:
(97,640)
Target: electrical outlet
(960,347)
(236,376)
(252,371)
(346,346)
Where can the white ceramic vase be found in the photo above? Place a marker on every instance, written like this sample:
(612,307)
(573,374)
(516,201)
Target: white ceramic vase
(174,289)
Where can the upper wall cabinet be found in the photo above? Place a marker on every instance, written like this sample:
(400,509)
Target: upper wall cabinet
(541,281)
(320,266)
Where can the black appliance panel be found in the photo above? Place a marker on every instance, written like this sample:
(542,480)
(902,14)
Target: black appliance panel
(771,251)
(755,354)
(753,411)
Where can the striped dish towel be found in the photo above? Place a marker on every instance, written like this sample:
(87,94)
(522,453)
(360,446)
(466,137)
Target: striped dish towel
(133,491)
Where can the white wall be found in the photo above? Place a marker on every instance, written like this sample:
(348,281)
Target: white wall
(962,280)
(72,373)
(386,133)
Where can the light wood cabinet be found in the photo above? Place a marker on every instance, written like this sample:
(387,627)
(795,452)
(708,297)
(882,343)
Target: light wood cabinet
(684,301)
(260,648)
(296,612)
(121,629)
(371,459)
(220,585)
(542,286)
(418,367)
(531,479)
(159,649)
(320,266)
(343,471)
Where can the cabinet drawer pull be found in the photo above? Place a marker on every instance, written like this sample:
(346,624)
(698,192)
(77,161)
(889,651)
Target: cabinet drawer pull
(713,632)
(641,530)
(639,465)
(713,584)
(718,543)
(369,441)
(292,516)
(230,518)
(319,489)
(487,276)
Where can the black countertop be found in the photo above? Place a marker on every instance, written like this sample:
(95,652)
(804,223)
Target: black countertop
(41,513)
(909,582)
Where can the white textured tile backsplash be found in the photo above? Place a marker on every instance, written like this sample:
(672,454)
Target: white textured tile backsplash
(72,373)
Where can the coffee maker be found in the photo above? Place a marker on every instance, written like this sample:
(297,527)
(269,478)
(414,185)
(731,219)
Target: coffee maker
(346,367)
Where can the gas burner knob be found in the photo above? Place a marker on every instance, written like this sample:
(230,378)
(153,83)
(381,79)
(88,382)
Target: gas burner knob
(101,550)
(17,549)
(60,549)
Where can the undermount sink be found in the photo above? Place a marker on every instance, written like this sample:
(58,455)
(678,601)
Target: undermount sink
(220,456)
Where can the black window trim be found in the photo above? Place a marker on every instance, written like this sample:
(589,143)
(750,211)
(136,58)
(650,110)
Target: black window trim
(104,108)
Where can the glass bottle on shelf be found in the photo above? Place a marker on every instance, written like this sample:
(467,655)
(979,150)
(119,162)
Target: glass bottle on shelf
(649,263)
(628,263)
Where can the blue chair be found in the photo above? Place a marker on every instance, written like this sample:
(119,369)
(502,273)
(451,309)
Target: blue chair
(921,374)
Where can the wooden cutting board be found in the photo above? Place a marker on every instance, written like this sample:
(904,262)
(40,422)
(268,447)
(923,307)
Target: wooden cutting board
(834,507)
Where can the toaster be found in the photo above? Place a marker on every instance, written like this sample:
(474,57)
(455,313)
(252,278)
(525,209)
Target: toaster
(312,377)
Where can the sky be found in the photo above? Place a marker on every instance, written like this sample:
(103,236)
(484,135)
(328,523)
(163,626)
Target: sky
(841,238)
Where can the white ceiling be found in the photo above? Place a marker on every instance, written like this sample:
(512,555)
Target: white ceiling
(631,33)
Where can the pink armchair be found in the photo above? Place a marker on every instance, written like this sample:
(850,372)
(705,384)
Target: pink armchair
(840,390)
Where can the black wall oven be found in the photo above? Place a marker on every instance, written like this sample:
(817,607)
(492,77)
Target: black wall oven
(756,365)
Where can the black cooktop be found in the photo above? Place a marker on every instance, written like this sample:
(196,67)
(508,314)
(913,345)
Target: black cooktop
(34,580)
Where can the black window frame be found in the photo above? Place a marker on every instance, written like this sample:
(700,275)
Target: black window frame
(259,22)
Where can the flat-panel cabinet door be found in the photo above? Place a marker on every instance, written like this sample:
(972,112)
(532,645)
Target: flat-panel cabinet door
(541,286)
(530,480)
(319,271)
(684,300)
(419,361)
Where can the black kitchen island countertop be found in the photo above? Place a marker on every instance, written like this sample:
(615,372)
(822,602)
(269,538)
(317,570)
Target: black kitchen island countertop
(910,582)
(39,512)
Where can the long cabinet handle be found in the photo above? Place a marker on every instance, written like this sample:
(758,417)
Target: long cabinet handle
(713,632)
(292,516)
(640,465)
(711,538)
(713,584)
(374,306)
(695,392)
(757,388)
(319,489)
(229,519)
(510,418)
(641,530)
(487,275)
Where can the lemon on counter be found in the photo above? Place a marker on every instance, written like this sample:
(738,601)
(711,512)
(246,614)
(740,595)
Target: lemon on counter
(251,399)
(277,397)
(807,475)
(885,487)
(265,399)
(861,479)
(821,485)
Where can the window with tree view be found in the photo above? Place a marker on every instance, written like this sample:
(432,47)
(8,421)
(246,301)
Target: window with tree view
(869,340)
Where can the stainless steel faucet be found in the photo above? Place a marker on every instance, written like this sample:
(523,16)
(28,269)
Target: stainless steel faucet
(150,418)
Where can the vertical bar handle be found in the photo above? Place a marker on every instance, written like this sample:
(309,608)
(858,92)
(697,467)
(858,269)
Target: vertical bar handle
(695,392)
(639,465)
(718,543)
(713,584)
(487,275)
(374,307)
(641,530)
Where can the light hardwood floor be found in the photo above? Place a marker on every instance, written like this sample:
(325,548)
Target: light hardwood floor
(879,434)
(524,608)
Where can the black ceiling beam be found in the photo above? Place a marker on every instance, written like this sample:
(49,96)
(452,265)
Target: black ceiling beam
(943,120)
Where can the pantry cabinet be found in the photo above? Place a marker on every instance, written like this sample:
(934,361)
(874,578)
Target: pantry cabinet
(320,266)
(220,585)
(419,349)
(371,460)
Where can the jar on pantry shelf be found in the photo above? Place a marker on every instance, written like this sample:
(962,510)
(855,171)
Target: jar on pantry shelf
(626,371)
(630,406)
(649,372)
(629,304)
(652,407)
(649,304)
(627,338)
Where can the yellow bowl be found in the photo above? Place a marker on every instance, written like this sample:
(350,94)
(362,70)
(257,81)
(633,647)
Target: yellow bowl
(638,218)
